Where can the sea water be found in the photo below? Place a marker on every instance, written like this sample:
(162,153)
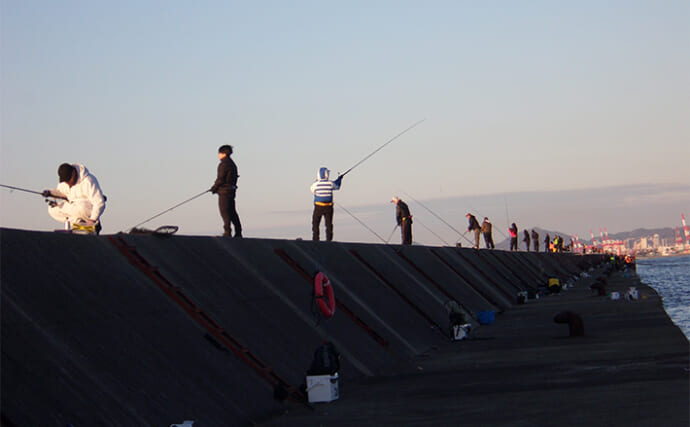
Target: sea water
(670,276)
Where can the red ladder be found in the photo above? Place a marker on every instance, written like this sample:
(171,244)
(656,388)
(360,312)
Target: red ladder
(197,313)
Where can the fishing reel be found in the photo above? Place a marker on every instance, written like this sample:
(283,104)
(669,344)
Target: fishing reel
(53,201)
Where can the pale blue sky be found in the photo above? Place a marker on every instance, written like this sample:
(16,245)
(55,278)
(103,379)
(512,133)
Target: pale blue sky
(519,97)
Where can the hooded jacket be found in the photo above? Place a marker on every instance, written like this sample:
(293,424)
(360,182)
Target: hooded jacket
(85,189)
(323,188)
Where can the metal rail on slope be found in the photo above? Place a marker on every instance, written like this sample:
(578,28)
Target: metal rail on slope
(207,322)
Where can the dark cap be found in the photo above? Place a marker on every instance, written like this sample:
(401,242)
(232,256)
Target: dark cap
(226,149)
(65,172)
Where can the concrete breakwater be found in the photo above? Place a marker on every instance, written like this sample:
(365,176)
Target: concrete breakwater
(147,330)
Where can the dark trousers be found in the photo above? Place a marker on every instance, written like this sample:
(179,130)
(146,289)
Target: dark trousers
(226,204)
(513,244)
(406,230)
(327,213)
(489,241)
(536,246)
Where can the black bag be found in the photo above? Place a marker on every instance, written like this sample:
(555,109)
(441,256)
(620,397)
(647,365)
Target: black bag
(326,360)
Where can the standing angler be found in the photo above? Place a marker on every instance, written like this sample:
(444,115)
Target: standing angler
(226,188)
(474,226)
(84,201)
(486,231)
(323,203)
(526,239)
(535,240)
(404,220)
(513,231)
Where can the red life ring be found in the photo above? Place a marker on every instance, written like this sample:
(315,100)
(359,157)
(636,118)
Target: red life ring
(323,291)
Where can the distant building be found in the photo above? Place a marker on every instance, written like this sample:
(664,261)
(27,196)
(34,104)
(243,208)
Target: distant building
(643,243)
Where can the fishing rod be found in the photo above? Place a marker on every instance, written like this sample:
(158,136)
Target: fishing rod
(390,236)
(32,191)
(381,147)
(416,219)
(476,212)
(176,206)
(505,201)
(441,219)
(358,220)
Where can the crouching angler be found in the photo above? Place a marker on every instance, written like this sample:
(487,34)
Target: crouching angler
(80,199)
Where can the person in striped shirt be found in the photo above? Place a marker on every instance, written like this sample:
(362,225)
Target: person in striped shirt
(322,189)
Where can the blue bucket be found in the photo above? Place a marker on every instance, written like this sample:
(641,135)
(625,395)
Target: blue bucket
(486,317)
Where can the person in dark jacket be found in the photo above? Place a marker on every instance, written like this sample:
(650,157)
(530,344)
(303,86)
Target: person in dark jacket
(547,241)
(513,230)
(486,231)
(404,220)
(226,188)
(526,239)
(322,189)
(474,226)
(535,240)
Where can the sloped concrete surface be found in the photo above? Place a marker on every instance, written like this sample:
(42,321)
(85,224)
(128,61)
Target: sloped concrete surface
(144,330)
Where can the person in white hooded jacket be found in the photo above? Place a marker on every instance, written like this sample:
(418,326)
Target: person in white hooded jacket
(83,198)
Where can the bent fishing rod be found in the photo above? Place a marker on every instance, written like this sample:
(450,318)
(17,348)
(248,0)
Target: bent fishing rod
(176,206)
(441,219)
(381,147)
(40,193)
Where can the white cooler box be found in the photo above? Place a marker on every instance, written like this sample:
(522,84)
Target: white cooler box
(322,388)
(460,332)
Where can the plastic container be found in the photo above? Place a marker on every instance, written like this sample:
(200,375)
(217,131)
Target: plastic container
(322,388)
(486,317)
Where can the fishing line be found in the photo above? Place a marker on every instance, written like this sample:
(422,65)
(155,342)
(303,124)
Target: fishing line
(358,220)
(381,147)
(505,201)
(417,221)
(176,206)
(475,212)
(441,219)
